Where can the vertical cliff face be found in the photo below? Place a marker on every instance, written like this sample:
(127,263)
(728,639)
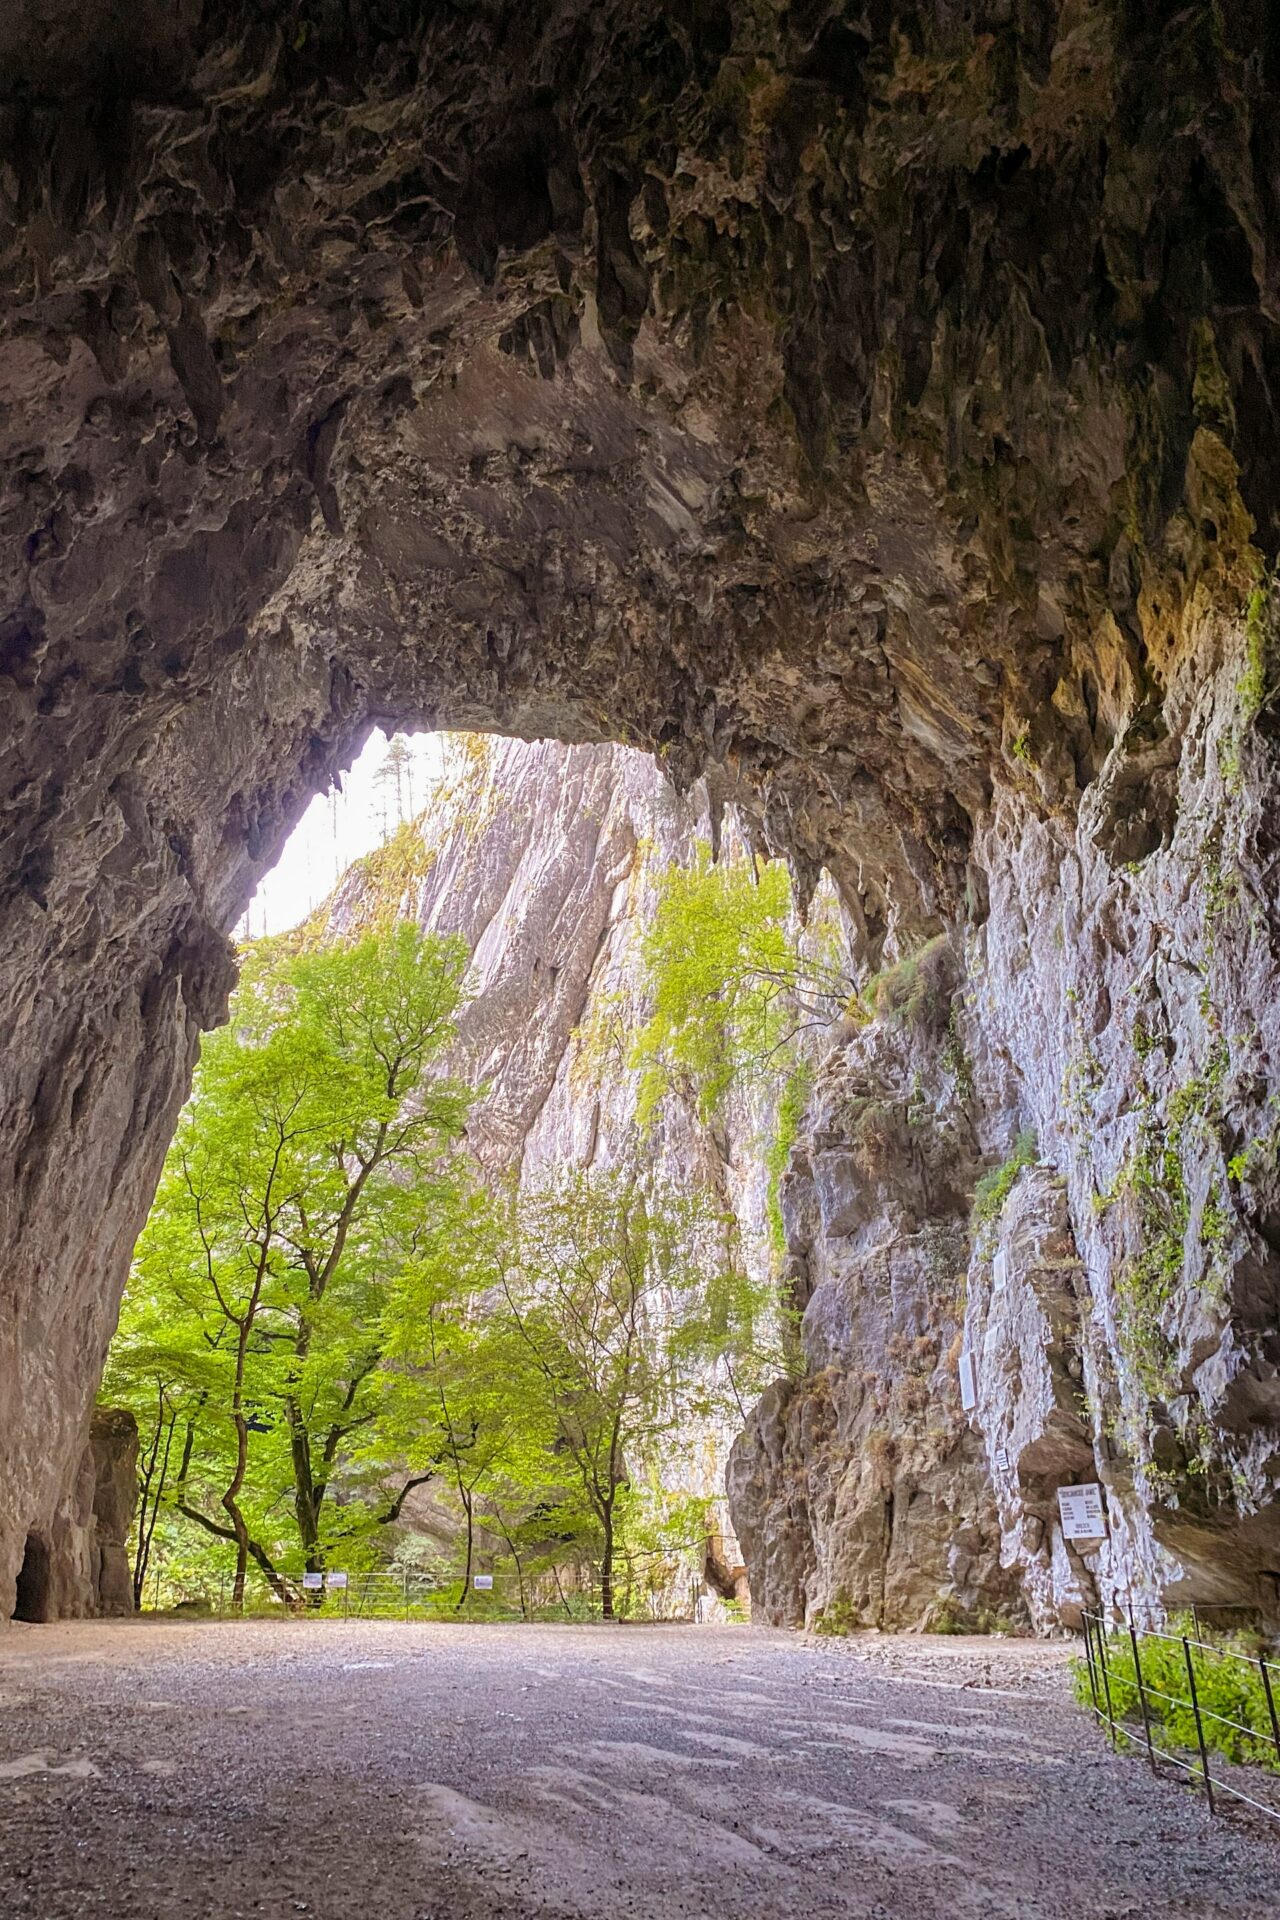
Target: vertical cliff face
(545,859)
(1095,1056)
(860,1492)
(1124,1002)
(78,1563)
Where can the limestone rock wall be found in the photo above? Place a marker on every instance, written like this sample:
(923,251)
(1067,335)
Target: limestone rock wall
(1113,1001)
(860,1492)
(79,1563)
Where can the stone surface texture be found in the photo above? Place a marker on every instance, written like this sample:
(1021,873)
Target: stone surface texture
(859,1492)
(78,1565)
(871,407)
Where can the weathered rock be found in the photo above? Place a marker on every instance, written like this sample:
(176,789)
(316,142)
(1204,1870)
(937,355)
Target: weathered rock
(875,407)
(858,1492)
(1022,1328)
(113,1442)
(79,1565)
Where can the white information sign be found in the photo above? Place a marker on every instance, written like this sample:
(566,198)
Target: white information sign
(1083,1515)
(968,1382)
(482,1580)
(336,1579)
(312,1580)
(1002,1459)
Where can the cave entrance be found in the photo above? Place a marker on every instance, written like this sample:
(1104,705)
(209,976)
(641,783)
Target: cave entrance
(34,1597)
(542,861)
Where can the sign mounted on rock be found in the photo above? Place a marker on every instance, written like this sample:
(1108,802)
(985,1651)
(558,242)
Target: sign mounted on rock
(1082,1512)
(968,1381)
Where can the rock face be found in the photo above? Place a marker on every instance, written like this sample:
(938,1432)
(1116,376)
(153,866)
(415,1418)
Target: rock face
(79,1563)
(860,1493)
(872,407)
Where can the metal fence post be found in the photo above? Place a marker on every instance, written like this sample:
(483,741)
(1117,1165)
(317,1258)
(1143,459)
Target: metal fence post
(1195,1708)
(1089,1662)
(1106,1681)
(406,1593)
(1271,1702)
(1142,1692)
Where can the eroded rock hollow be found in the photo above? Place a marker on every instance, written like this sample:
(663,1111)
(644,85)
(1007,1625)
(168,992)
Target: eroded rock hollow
(869,407)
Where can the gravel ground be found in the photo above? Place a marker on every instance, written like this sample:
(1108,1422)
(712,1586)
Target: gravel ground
(155,1771)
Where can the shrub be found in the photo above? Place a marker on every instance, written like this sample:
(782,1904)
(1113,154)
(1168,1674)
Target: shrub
(839,1616)
(1228,1682)
(992,1190)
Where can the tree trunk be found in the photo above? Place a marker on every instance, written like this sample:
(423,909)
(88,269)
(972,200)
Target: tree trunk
(606,1567)
(242,1566)
(152,1491)
(466,1576)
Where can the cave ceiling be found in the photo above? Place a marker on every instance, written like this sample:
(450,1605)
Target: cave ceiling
(790,390)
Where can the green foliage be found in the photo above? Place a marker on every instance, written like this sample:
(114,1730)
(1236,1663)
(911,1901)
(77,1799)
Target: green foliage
(1225,1685)
(791,1107)
(839,1617)
(954,1058)
(907,993)
(318,1140)
(1153,1177)
(328,1310)
(391,869)
(993,1188)
(730,986)
(733,991)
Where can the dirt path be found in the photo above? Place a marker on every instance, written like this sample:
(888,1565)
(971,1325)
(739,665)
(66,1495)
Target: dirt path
(446,1773)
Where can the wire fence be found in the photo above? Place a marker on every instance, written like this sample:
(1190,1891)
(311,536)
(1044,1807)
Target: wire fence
(1145,1703)
(387,1594)
(399,1593)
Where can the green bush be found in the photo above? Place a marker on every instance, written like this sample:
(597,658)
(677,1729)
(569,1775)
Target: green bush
(1228,1682)
(838,1617)
(992,1190)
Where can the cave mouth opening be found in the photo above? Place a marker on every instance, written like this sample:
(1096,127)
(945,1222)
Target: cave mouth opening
(33,1599)
(374,846)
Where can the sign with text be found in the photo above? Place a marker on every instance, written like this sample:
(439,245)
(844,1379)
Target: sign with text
(483,1581)
(336,1579)
(312,1580)
(1083,1515)
(968,1382)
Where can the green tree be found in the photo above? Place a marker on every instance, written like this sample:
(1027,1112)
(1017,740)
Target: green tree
(735,986)
(732,984)
(606,1281)
(465,1400)
(319,1136)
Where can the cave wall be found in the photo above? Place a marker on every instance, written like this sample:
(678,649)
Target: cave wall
(872,406)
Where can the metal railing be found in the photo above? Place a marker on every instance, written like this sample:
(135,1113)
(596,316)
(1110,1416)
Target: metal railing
(1109,1684)
(380,1595)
